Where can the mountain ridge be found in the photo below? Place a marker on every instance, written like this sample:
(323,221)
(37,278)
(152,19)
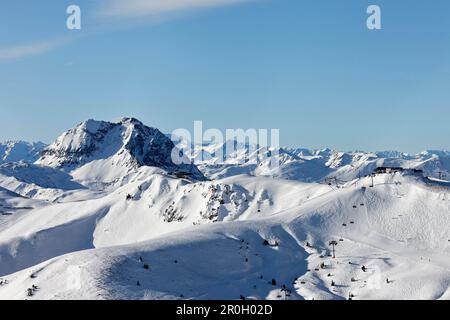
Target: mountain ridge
(19,150)
(127,144)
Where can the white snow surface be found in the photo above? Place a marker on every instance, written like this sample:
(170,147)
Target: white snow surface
(99,151)
(11,151)
(309,165)
(91,220)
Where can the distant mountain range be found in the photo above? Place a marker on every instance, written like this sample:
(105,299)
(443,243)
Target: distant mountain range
(313,165)
(104,213)
(13,151)
(99,151)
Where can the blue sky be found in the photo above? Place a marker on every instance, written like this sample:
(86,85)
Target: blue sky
(308,67)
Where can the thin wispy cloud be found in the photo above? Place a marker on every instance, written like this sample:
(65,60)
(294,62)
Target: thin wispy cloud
(158,10)
(30,49)
(141,8)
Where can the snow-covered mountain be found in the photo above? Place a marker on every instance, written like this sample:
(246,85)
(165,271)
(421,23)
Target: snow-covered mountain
(393,243)
(95,155)
(103,213)
(12,151)
(105,151)
(35,181)
(310,165)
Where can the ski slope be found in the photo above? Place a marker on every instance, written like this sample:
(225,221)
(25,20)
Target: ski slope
(398,230)
(104,213)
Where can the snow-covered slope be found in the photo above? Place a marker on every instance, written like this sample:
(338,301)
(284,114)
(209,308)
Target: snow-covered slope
(310,165)
(12,151)
(13,206)
(104,213)
(397,230)
(35,181)
(148,207)
(98,151)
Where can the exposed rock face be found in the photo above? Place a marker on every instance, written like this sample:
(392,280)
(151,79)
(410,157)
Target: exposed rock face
(127,143)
